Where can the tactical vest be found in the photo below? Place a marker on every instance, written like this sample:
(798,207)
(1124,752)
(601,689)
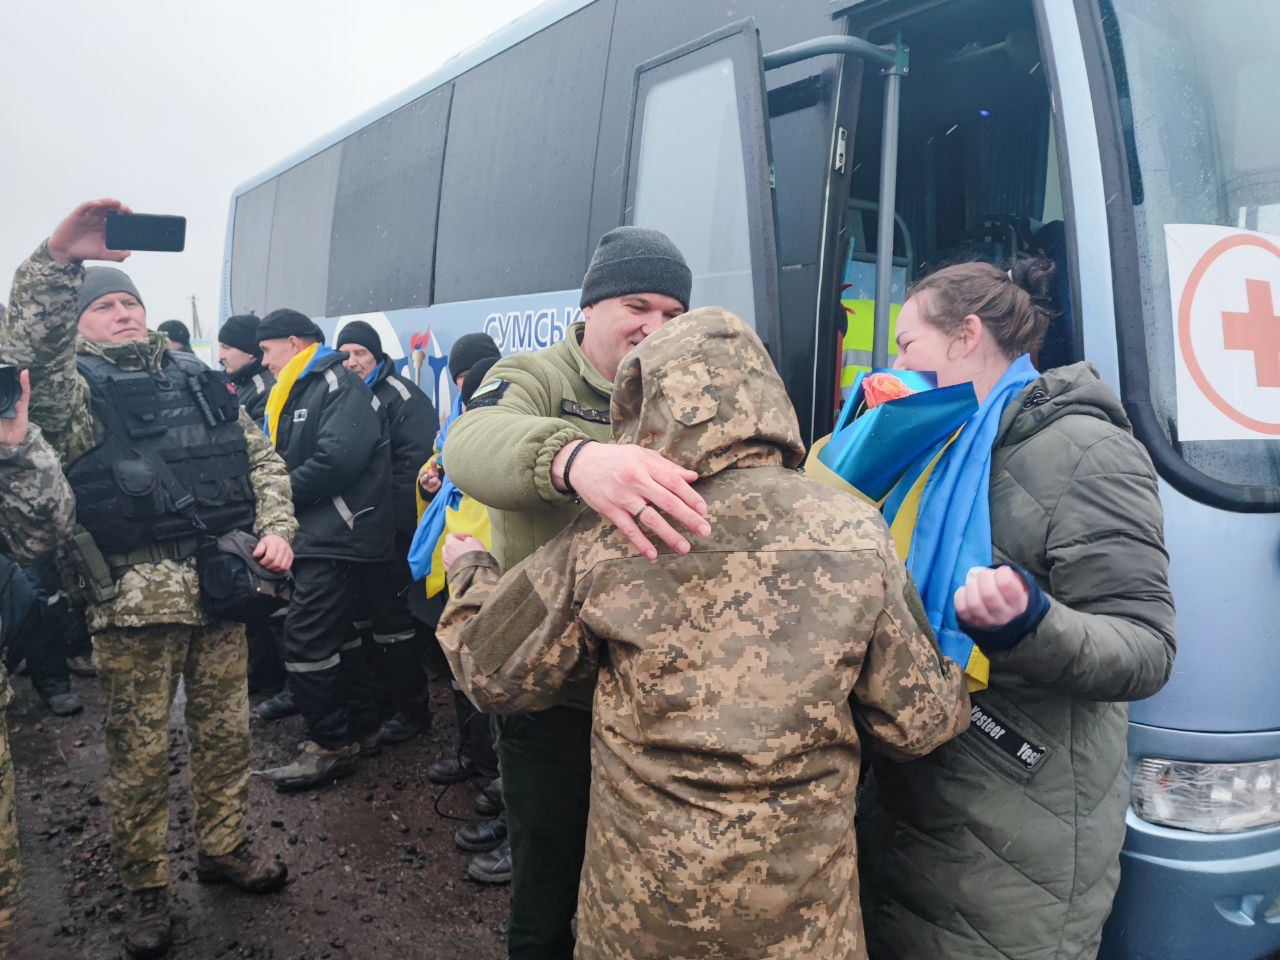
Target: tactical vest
(173,462)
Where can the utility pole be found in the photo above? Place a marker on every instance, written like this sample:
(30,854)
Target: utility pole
(195,321)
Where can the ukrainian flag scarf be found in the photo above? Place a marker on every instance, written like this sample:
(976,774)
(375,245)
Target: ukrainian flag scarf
(940,515)
(290,374)
(450,511)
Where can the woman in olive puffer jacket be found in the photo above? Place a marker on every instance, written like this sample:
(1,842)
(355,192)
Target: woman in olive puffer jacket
(1005,842)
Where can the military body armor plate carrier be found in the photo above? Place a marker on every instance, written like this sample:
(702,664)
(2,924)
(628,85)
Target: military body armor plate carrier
(173,462)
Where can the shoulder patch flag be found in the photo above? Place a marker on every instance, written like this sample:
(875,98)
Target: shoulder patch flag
(489,394)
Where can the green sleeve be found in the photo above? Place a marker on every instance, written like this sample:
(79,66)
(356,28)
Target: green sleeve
(1109,632)
(501,454)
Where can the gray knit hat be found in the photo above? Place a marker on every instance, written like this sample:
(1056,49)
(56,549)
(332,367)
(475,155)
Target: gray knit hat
(99,281)
(635,260)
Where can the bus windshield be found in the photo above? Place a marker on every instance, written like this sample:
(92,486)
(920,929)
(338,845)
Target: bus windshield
(1196,84)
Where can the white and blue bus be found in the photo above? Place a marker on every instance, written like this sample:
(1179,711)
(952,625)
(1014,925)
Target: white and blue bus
(811,157)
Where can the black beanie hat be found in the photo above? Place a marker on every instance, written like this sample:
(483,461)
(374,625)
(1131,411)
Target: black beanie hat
(176,331)
(241,332)
(99,281)
(475,376)
(359,332)
(468,350)
(635,260)
(287,323)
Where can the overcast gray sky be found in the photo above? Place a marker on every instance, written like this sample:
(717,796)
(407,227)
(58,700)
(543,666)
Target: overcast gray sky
(169,104)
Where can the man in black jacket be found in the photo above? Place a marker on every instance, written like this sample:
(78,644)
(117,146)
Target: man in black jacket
(392,640)
(241,357)
(324,423)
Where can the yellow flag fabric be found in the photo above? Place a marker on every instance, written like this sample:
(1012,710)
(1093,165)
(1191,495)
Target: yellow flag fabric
(471,517)
(285,380)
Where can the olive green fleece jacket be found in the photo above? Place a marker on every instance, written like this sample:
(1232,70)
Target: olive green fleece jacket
(500,450)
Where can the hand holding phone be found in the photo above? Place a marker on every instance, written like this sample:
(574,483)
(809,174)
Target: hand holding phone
(82,234)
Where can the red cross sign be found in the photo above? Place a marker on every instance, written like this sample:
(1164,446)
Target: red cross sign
(1257,330)
(1223,282)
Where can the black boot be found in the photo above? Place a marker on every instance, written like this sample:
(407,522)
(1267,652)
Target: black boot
(451,770)
(489,803)
(479,837)
(277,707)
(147,934)
(492,867)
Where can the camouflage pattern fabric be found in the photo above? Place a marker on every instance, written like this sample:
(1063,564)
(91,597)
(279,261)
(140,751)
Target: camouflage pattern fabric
(139,669)
(733,681)
(39,332)
(37,509)
(10,871)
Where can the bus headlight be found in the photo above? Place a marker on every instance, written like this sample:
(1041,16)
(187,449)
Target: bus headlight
(1207,797)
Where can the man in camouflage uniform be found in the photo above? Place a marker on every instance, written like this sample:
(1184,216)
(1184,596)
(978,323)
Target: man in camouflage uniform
(725,740)
(149,629)
(36,512)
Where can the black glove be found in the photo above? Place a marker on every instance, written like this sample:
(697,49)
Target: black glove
(1008,636)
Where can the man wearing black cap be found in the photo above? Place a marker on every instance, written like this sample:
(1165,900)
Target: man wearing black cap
(392,638)
(178,334)
(241,357)
(324,421)
(532,445)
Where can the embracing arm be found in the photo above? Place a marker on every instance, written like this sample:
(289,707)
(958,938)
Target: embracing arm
(909,698)
(515,641)
(500,450)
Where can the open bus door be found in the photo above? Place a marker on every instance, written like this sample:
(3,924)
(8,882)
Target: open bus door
(699,170)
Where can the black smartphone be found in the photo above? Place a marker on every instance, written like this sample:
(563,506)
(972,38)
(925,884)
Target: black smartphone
(146,231)
(10,391)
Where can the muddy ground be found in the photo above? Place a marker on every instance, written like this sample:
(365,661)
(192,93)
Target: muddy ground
(373,871)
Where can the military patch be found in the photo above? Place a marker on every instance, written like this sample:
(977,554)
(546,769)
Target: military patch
(997,731)
(489,394)
(569,408)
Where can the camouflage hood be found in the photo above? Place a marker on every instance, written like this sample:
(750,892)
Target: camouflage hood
(145,354)
(703,392)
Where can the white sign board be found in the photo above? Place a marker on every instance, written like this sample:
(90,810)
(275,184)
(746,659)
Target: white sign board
(1224,285)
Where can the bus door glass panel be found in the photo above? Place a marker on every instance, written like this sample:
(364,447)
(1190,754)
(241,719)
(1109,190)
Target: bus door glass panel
(699,170)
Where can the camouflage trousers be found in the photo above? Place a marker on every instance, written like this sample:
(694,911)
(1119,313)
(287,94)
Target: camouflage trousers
(9,864)
(139,668)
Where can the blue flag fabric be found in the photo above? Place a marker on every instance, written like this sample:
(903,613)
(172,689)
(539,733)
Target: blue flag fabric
(953,529)
(872,452)
(431,525)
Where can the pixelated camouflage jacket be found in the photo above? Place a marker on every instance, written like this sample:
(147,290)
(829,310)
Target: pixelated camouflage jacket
(39,333)
(37,507)
(734,681)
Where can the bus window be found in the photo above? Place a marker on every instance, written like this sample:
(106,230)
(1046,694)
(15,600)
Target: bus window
(250,243)
(514,200)
(298,265)
(384,218)
(1194,83)
(978,175)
